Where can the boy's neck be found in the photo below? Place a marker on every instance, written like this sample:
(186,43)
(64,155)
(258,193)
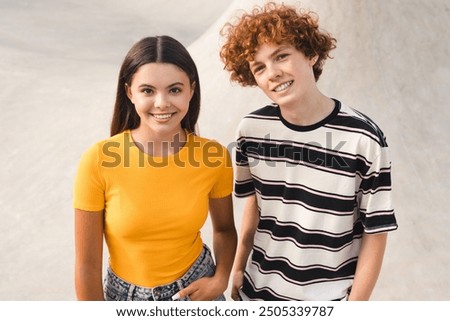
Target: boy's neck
(309,111)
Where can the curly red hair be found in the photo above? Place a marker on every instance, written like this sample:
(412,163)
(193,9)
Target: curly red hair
(277,24)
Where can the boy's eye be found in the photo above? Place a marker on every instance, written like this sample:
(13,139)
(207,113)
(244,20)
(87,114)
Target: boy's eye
(281,56)
(258,69)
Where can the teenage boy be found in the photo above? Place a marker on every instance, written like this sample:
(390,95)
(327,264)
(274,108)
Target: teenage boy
(316,173)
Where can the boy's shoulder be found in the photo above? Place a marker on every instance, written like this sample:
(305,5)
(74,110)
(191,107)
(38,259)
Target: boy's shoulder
(353,120)
(264,116)
(268,110)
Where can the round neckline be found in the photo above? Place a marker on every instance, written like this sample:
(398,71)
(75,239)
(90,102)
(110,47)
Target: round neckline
(300,128)
(181,150)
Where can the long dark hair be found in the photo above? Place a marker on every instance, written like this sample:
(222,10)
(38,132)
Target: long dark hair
(160,49)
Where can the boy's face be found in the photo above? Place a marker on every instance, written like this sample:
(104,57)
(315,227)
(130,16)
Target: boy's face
(283,73)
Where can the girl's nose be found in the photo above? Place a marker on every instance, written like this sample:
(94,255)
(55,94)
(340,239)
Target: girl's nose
(161,101)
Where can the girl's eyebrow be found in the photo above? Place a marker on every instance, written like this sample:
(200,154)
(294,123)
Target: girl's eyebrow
(178,83)
(145,85)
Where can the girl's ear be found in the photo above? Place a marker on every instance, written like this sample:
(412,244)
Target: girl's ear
(193,88)
(129,93)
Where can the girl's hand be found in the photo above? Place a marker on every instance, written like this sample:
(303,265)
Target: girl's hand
(204,289)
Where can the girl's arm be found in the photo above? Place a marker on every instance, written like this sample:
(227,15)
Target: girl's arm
(224,244)
(88,255)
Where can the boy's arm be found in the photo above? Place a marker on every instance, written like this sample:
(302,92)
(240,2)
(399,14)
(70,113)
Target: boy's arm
(250,220)
(368,266)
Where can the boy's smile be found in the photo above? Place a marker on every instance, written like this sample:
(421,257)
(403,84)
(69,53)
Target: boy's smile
(283,86)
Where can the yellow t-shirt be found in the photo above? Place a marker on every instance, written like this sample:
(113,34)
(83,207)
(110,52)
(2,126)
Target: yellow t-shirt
(154,206)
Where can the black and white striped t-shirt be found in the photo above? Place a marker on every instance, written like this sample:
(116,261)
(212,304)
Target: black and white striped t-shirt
(318,189)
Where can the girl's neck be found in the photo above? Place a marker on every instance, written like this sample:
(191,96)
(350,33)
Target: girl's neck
(159,143)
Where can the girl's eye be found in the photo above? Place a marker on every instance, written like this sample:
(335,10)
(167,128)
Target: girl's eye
(175,90)
(147,91)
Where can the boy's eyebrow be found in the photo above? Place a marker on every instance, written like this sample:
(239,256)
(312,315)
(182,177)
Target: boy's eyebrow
(276,52)
(273,54)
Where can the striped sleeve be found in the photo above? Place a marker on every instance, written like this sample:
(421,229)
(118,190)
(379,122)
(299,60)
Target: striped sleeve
(243,185)
(375,194)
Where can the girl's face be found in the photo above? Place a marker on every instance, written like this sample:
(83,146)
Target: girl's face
(160,93)
(283,73)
